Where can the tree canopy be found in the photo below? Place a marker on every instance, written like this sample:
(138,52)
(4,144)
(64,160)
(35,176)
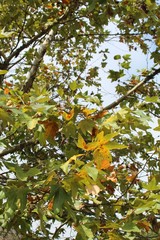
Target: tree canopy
(68,160)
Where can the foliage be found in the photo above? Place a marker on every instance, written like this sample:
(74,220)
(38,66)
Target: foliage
(66,157)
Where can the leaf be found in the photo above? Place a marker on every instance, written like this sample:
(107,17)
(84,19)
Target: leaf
(2,72)
(73,85)
(51,129)
(88,232)
(4,34)
(81,143)
(32,123)
(6,91)
(154,99)
(87,111)
(65,166)
(102,157)
(68,116)
(152,185)
(86,125)
(92,172)
(104,139)
(66,2)
(59,199)
(114,145)
(92,189)
(127,57)
(117,57)
(5,116)
(131,227)
(103,164)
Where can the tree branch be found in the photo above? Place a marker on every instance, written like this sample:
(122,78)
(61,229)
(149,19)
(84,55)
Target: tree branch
(121,99)
(17,147)
(42,50)
(33,71)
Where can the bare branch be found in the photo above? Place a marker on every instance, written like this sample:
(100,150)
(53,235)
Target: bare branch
(42,50)
(17,147)
(121,99)
(33,71)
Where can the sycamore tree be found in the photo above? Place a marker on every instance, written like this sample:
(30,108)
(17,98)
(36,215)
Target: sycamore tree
(67,160)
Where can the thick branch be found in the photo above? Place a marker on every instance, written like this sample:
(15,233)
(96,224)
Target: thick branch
(121,99)
(17,148)
(42,50)
(33,71)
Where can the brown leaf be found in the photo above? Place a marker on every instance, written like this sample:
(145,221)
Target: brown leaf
(51,128)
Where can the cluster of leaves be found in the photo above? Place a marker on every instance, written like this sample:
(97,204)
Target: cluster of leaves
(65,156)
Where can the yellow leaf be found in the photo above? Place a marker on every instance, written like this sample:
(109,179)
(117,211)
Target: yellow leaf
(81,143)
(31,124)
(68,116)
(132,177)
(50,177)
(104,164)
(65,166)
(102,157)
(82,174)
(87,111)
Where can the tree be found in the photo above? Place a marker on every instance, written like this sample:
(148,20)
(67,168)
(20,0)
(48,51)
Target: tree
(66,157)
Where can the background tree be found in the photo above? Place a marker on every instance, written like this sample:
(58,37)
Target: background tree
(65,156)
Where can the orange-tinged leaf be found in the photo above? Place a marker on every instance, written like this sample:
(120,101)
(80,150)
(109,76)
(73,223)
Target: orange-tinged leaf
(8,84)
(50,205)
(66,2)
(100,114)
(82,174)
(102,153)
(144,224)
(49,6)
(68,116)
(112,177)
(102,157)
(6,91)
(105,164)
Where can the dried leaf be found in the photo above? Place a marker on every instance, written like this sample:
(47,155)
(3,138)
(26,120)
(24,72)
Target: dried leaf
(93,189)
(51,128)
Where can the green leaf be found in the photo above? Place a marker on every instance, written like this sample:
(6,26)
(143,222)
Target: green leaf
(154,99)
(114,145)
(152,185)
(73,85)
(34,171)
(59,199)
(127,57)
(131,227)
(117,57)
(115,75)
(92,172)
(86,125)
